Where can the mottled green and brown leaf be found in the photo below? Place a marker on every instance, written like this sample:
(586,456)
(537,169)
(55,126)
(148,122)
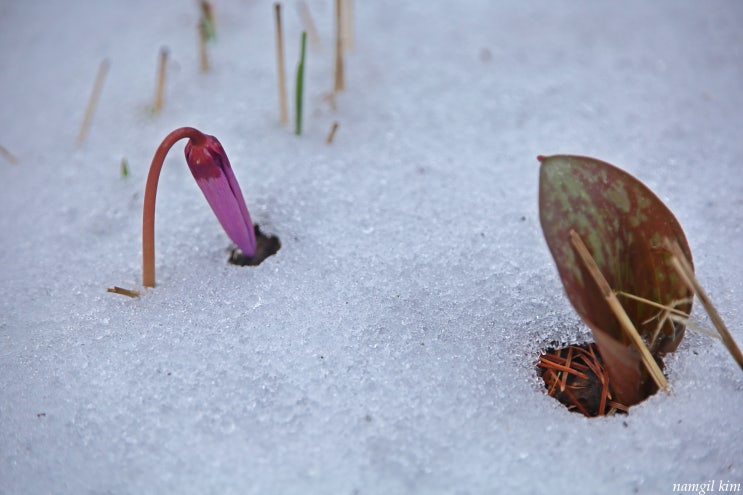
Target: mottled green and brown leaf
(623,225)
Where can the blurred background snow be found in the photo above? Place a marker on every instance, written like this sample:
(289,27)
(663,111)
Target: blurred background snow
(389,346)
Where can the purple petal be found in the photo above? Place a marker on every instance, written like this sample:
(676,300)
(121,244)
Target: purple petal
(211,169)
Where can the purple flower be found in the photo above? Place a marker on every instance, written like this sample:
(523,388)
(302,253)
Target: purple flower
(211,169)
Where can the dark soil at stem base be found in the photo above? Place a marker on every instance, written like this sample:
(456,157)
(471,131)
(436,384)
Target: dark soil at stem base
(266,245)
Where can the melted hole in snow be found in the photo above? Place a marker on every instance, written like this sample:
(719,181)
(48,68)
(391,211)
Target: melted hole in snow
(575,375)
(266,245)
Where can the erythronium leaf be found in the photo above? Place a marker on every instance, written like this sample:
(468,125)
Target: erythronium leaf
(623,364)
(623,225)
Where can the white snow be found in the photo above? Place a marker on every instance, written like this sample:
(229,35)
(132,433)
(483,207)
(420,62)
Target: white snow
(389,346)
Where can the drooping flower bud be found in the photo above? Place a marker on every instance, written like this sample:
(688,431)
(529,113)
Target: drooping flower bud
(211,169)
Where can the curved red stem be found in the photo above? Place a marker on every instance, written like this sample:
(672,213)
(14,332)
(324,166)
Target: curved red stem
(150,193)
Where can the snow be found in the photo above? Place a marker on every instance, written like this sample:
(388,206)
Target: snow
(389,346)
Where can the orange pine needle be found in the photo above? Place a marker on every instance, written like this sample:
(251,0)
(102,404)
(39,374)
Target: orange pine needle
(561,360)
(578,391)
(604,393)
(576,403)
(567,364)
(552,379)
(559,367)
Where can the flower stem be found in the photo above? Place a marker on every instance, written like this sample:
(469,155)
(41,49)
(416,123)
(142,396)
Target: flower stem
(150,193)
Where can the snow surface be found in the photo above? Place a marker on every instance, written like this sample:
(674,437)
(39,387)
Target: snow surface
(389,346)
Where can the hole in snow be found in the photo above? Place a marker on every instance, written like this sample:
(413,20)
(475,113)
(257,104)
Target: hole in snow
(575,375)
(266,245)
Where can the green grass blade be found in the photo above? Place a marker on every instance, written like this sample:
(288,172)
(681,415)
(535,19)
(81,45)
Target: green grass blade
(300,86)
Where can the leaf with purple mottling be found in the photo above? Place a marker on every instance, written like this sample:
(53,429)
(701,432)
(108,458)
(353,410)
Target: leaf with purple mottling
(623,224)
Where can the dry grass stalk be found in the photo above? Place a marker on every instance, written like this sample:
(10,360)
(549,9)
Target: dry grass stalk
(283,106)
(339,79)
(331,134)
(331,99)
(347,29)
(309,24)
(616,406)
(93,100)
(616,307)
(207,13)
(673,314)
(123,292)
(8,155)
(671,309)
(667,313)
(203,52)
(686,272)
(160,88)
(207,31)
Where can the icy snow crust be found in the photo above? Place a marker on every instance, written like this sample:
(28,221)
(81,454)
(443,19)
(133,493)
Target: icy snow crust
(389,346)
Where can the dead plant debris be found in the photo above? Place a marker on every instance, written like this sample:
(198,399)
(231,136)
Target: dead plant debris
(575,375)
